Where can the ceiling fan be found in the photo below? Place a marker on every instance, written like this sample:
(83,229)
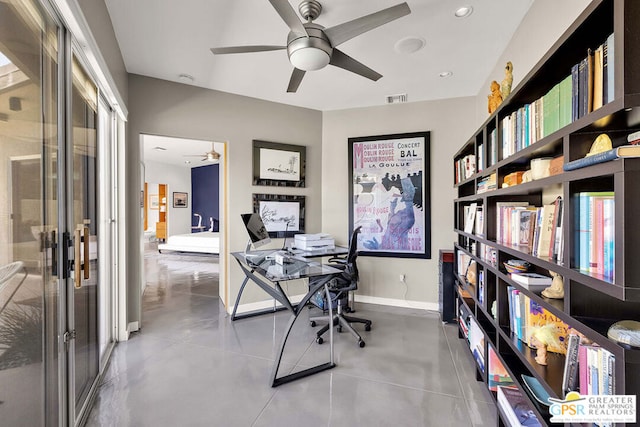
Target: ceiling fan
(311,47)
(210,156)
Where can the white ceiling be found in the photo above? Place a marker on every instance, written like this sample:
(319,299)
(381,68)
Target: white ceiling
(177,151)
(166,38)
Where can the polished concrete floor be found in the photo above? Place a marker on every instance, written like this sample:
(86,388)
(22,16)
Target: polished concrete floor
(191,366)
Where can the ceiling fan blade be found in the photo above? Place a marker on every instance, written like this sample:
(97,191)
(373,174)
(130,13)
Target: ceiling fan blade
(294,81)
(289,16)
(344,61)
(348,30)
(245,49)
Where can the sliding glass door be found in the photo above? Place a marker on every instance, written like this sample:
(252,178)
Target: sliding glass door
(56,223)
(30,364)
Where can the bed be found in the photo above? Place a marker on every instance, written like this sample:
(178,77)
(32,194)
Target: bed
(205,242)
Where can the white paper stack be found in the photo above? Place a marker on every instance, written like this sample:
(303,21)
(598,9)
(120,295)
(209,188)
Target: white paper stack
(309,242)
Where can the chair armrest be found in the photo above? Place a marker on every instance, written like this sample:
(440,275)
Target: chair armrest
(338,260)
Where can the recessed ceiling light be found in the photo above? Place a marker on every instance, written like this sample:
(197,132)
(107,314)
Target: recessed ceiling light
(187,161)
(409,44)
(186,78)
(464,11)
(446,74)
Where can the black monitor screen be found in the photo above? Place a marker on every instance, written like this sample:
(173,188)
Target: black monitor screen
(256,229)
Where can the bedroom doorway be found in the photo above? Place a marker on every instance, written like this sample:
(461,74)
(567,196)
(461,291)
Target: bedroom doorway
(190,174)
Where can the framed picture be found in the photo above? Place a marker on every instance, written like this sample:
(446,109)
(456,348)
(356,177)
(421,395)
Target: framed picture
(180,199)
(282,215)
(278,164)
(389,194)
(154,201)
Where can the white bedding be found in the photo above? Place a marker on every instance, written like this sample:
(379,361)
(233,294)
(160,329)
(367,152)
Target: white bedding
(205,242)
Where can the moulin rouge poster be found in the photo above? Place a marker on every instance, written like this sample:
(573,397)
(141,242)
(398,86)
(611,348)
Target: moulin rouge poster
(389,197)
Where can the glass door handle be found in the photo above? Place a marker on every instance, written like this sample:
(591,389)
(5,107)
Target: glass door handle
(81,248)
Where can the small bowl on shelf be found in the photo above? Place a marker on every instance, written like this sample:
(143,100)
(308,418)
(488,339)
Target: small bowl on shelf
(516,266)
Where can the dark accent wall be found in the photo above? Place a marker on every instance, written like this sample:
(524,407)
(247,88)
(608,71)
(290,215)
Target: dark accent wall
(205,191)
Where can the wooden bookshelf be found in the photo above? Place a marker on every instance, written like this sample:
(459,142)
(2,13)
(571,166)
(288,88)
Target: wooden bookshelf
(591,303)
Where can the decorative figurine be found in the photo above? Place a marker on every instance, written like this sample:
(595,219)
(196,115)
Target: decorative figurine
(556,290)
(541,337)
(495,99)
(602,143)
(508,80)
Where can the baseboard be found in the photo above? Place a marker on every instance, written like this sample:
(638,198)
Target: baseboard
(392,302)
(262,305)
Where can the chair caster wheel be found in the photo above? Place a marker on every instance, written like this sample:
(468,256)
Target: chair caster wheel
(367,327)
(361,343)
(319,340)
(313,323)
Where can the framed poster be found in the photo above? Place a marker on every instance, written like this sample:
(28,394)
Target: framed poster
(282,215)
(180,199)
(278,164)
(389,194)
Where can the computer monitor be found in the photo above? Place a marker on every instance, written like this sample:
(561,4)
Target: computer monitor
(256,229)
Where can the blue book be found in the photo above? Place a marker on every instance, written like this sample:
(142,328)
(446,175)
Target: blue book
(610,80)
(584,232)
(628,151)
(609,240)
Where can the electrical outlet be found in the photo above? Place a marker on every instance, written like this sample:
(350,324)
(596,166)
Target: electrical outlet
(402,277)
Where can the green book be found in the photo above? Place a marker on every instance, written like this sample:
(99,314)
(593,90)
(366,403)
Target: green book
(551,111)
(566,87)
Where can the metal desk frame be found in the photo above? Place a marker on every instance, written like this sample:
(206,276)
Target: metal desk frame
(276,291)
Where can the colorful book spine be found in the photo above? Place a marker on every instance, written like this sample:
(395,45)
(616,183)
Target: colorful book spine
(608,239)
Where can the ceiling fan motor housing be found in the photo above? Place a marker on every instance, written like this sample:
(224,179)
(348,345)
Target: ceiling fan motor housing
(309,53)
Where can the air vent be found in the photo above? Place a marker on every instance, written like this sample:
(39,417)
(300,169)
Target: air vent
(159,148)
(397,99)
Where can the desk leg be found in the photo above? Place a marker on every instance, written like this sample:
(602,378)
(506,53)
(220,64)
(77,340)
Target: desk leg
(278,295)
(315,369)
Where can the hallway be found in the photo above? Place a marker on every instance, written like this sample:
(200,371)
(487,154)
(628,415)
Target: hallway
(191,366)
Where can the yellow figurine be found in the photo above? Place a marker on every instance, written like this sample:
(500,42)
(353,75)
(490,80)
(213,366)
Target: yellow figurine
(602,143)
(495,99)
(508,80)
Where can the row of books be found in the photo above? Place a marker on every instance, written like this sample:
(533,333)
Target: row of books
(589,368)
(487,183)
(538,230)
(489,254)
(465,167)
(587,88)
(526,316)
(595,236)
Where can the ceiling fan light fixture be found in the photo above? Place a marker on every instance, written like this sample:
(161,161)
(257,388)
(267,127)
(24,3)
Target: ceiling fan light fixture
(309,58)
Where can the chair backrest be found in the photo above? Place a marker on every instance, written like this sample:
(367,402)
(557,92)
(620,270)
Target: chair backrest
(352,267)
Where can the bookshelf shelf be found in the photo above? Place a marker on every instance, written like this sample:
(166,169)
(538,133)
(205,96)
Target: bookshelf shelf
(610,291)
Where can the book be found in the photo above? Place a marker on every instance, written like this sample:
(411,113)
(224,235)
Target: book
(551,111)
(624,151)
(469,217)
(498,375)
(516,407)
(633,138)
(610,61)
(598,77)
(570,376)
(565,99)
(479,227)
(538,316)
(546,228)
(531,279)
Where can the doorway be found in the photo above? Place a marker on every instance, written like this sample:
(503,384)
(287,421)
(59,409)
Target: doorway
(192,175)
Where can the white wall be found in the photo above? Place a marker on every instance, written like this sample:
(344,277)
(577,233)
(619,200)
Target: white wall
(177,179)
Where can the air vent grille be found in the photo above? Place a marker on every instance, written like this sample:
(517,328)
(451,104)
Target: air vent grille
(397,99)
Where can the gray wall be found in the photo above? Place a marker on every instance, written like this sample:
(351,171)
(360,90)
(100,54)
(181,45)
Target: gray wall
(159,107)
(541,27)
(450,123)
(97,16)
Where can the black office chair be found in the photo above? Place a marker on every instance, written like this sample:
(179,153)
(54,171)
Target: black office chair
(339,288)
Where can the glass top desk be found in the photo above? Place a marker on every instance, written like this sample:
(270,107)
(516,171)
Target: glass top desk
(263,270)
